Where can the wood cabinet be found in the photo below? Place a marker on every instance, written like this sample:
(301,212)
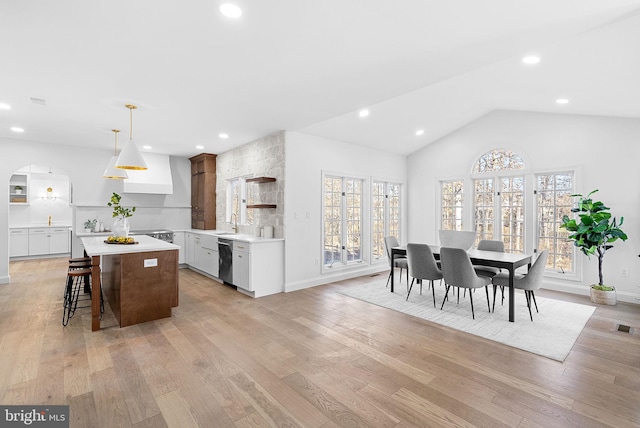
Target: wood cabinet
(203,191)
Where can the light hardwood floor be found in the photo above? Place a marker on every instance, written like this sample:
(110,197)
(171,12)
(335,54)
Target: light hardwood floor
(312,358)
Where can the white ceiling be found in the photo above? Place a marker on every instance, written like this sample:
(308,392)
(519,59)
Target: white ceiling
(306,65)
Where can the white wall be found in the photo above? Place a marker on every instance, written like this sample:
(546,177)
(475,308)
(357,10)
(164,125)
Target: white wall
(306,158)
(91,192)
(605,150)
(38,210)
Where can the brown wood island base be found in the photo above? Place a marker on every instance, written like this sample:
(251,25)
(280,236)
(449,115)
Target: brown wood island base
(139,282)
(136,293)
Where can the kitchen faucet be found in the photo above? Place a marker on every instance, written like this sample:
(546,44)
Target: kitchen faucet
(49,220)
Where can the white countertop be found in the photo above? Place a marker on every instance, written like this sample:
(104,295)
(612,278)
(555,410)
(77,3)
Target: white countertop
(244,237)
(38,225)
(95,246)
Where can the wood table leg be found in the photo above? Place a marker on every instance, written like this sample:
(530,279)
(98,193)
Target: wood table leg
(95,293)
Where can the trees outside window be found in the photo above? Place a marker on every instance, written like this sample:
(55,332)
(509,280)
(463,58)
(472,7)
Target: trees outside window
(553,201)
(452,204)
(385,215)
(342,220)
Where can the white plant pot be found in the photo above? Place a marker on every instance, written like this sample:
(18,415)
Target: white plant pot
(603,297)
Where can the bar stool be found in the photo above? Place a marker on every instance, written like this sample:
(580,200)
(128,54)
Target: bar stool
(78,277)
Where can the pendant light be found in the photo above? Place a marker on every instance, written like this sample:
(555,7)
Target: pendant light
(130,157)
(111,171)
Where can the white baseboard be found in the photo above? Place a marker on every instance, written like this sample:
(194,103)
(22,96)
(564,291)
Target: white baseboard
(333,277)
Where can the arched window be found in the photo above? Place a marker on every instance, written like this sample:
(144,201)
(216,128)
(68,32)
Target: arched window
(498,160)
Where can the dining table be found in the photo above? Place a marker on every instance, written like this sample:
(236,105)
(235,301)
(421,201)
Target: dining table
(502,260)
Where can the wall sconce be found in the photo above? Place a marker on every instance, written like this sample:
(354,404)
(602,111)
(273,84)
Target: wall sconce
(49,195)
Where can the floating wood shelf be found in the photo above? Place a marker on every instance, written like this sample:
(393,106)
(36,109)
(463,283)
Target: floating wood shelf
(260,180)
(262,206)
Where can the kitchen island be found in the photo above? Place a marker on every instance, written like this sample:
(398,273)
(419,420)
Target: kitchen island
(140,281)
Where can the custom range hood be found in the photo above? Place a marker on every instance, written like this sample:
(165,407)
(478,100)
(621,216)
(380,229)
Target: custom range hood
(156,179)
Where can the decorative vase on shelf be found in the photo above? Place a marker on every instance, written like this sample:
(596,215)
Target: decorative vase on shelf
(121,227)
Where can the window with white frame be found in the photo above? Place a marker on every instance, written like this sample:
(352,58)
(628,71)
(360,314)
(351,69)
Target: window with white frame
(342,220)
(553,201)
(451,205)
(385,215)
(484,208)
(511,195)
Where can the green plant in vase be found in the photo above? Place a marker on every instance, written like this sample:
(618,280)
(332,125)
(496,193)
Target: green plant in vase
(593,232)
(121,215)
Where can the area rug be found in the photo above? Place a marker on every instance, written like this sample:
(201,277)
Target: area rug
(552,333)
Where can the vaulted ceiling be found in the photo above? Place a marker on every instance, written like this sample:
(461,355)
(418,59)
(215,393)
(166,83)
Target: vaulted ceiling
(68,68)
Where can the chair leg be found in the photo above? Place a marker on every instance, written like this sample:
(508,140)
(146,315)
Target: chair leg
(410,287)
(495,288)
(473,315)
(433,291)
(446,293)
(486,289)
(534,300)
(526,294)
(420,282)
(389,278)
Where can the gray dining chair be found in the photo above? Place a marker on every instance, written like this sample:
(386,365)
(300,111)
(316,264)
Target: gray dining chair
(457,238)
(458,272)
(422,266)
(490,271)
(398,261)
(528,282)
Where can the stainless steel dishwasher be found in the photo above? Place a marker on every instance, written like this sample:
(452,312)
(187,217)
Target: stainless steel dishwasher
(225,272)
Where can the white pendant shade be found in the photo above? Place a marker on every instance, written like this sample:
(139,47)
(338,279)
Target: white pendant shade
(131,158)
(114,173)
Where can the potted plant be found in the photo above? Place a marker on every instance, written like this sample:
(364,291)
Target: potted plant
(121,215)
(18,190)
(89,225)
(593,232)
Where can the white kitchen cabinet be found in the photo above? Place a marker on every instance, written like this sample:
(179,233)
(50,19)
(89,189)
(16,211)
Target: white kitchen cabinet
(190,248)
(179,239)
(242,265)
(206,254)
(46,240)
(59,240)
(18,242)
(258,267)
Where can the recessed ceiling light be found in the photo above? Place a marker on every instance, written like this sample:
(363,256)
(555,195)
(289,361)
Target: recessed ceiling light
(223,136)
(420,132)
(230,10)
(562,101)
(363,113)
(531,59)
(4,106)
(16,129)
(200,147)
(147,147)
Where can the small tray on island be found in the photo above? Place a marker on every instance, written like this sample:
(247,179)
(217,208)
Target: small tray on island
(120,240)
